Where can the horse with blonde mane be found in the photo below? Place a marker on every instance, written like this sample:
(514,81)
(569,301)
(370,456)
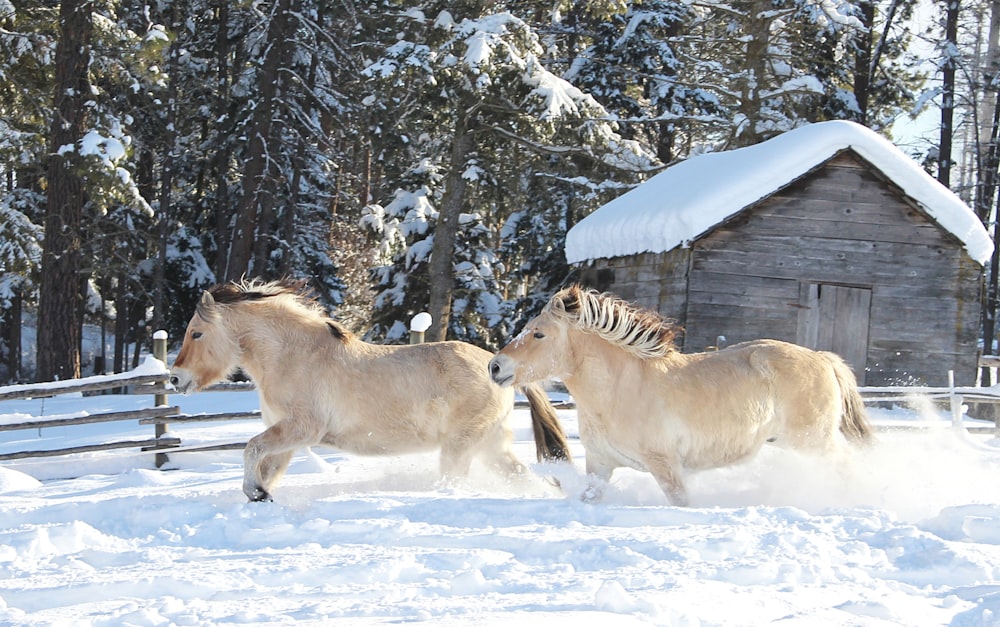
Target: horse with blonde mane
(319,384)
(642,404)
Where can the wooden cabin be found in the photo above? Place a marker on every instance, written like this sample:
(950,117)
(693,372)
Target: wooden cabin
(827,236)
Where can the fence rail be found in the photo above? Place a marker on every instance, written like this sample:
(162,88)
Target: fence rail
(182,418)
(162,415)
(152,414)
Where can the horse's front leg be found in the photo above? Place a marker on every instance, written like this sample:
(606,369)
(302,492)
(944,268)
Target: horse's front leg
(598,477)
(270,469)
(267,455)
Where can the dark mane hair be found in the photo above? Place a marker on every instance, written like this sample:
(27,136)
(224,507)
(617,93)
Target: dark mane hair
(257,289)
(295,290)
(642,332)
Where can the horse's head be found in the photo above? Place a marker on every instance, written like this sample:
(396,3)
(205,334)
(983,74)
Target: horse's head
(209,352)
(539,351)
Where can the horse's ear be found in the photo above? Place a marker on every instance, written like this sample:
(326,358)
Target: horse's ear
(205,305)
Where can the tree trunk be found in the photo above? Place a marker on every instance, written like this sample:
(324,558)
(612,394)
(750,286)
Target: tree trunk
(874,57)
(10,337)
(286,244)
(59,308)
(441,267)
(258,190)
(121,323)
(990,305)
(863,69)
(222,211)
(754,73)
(665,141)
(988,136)
(948,92)
(166,187)
(989,73)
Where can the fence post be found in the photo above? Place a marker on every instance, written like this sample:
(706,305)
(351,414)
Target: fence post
(160,400)
(418,325)
(955,401)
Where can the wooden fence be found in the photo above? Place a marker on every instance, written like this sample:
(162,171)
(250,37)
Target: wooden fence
(161,415)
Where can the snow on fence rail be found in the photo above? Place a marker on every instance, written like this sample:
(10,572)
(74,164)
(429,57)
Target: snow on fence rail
(152,378)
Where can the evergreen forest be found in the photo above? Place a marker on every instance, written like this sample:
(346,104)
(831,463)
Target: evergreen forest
(410,156)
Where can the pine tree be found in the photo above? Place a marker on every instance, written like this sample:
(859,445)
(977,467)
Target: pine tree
(480,112)
(25,49)
(59,310)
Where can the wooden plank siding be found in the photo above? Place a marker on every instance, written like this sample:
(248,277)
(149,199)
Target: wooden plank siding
(842,227)
(836,318)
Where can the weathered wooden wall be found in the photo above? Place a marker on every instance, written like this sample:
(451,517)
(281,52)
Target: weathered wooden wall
(902,299)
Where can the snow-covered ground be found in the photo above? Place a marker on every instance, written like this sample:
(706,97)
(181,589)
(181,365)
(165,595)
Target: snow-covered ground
(909,535)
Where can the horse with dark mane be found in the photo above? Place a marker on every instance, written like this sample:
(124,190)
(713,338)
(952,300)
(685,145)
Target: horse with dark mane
(642,404)
(319,384)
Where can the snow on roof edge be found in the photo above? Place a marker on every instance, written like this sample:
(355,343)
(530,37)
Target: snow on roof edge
(682,203)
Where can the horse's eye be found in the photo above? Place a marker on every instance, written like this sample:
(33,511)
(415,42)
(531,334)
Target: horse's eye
(196,335)
(538,335)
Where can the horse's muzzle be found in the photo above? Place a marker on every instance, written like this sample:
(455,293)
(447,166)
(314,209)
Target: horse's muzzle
(501,371)
(181,381)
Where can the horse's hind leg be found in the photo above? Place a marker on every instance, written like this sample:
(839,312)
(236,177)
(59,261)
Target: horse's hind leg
(493,446)
(667,477)
(496,451)
(455,461)
(457,452)
(480,431)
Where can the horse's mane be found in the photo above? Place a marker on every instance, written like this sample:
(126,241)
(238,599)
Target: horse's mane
(293,292)
(642,332)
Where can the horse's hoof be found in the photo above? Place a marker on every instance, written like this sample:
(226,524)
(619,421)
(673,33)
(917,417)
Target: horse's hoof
(260,496)
(591,495)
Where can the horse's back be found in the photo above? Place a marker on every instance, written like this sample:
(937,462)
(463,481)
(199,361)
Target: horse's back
(779,361)
(811,390)
(453,376)
(734,399)
(451,360)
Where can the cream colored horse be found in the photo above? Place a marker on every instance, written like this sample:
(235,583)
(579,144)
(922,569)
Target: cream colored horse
(644,405)
(321,385)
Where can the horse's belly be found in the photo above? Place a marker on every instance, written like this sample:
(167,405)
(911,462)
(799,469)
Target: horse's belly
(665,435)
(609,451)
(705,451)
(375,442)
(689,447)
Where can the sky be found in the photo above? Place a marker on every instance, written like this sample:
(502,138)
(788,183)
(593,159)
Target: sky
(907,533)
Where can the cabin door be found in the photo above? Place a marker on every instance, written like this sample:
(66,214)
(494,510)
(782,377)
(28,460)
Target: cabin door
(835,318)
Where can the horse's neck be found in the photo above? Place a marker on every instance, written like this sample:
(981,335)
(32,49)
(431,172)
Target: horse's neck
(600,371)
(594,364)
(267,341)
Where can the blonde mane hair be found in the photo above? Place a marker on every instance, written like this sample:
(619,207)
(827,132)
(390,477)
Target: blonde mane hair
(642,332)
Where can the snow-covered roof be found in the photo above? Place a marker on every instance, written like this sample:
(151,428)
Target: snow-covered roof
(685,201)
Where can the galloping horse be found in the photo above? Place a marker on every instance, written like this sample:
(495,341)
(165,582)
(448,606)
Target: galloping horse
(644,405)
(321,385)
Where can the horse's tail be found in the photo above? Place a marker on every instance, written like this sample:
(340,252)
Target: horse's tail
(853,419)
(550,440)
